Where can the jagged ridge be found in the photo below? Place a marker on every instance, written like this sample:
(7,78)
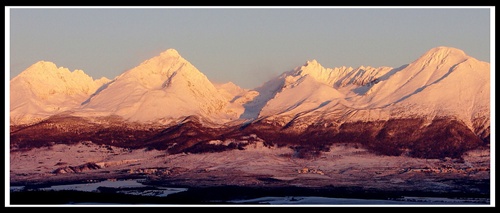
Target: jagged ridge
(310,106)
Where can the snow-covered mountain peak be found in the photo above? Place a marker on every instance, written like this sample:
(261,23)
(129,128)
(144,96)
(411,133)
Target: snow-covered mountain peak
(166,58)
(313,62)
(229,84)
(42,66)
(309,67)
(427,81)
(441,55)
(314,69)
(230,87)
(166,86)
(170,53)
(44,89)
(339,76)
(229,90)
(444,51)
(44,79)
(48,74)
(160,71)
(45,68)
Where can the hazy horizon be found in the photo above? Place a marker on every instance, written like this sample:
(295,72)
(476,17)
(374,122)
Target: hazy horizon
(246,46)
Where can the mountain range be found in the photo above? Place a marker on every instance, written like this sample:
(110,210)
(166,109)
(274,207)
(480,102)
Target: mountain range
(436,106)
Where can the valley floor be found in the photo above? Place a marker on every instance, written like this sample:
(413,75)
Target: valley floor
(344,166)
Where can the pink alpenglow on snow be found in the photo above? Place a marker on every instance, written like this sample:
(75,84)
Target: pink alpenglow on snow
(443,82)
(44,89)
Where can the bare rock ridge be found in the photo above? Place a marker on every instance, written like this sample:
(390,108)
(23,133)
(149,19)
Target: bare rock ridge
(436,106)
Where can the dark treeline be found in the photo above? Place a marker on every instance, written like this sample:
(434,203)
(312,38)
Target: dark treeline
(443,137)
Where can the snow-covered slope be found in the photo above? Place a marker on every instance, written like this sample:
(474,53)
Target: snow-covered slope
(442,82)
(460,86)
(429,69)
(312,89)
(341,76)
(237,98)
(164,87)
(230,90)
(44,89)
(442,99)
(300,94)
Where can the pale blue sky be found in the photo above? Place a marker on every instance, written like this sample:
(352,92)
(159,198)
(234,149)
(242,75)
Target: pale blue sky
(247,46)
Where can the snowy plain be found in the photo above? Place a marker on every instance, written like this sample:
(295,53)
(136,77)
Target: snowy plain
(257,166)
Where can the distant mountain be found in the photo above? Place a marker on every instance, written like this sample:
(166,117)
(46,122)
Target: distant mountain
(162,88)
(44,89)
(435,106)
(311,88)
(237,97)
(442,82)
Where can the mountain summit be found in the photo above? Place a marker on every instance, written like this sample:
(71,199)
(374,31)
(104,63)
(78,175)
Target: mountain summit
(340,76)
(435,106)
(164,87)
(168,86)
(44,89)
(428,72)
(439,55)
